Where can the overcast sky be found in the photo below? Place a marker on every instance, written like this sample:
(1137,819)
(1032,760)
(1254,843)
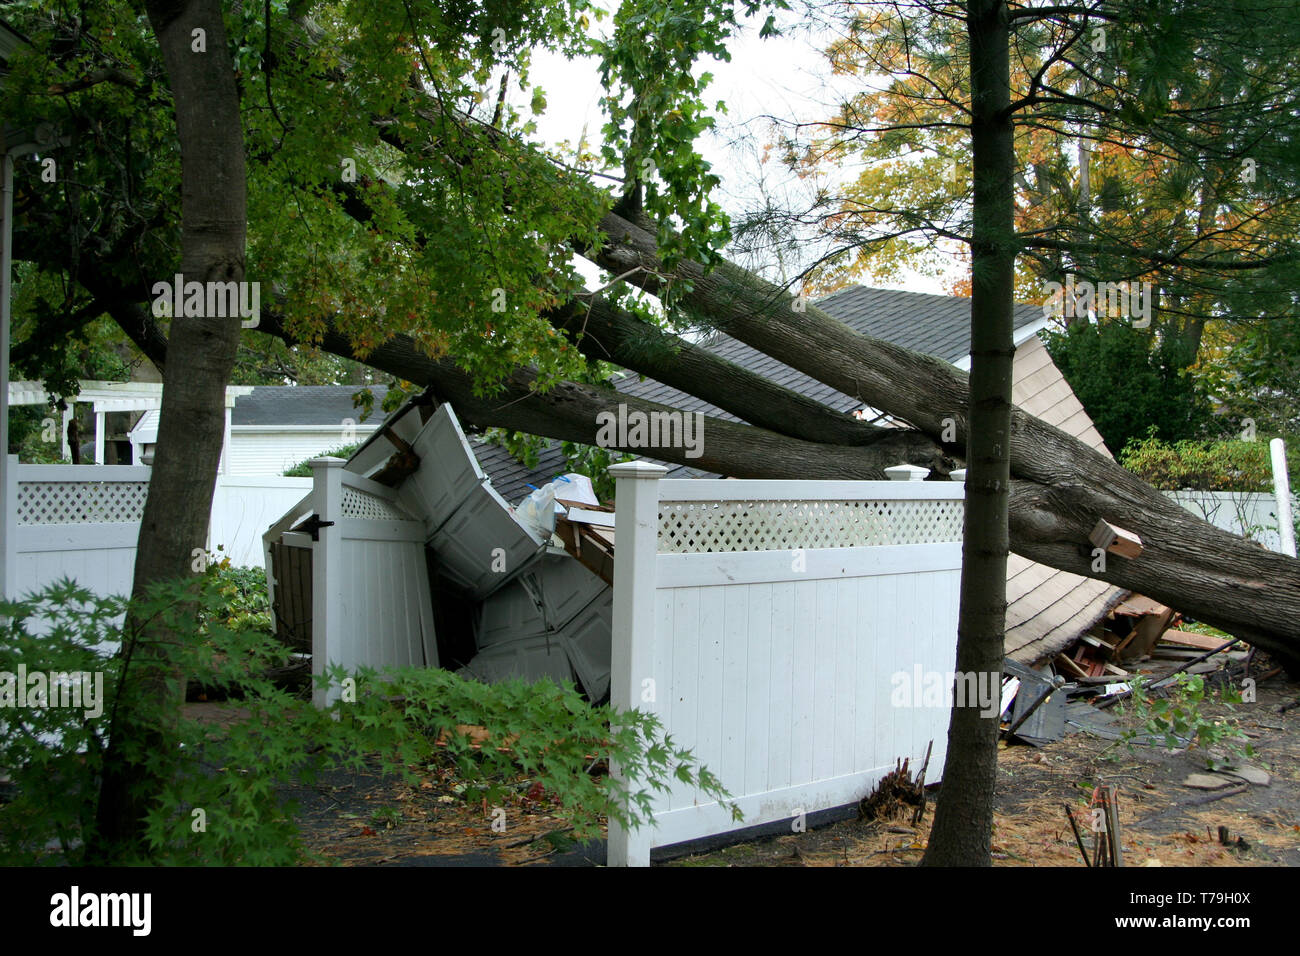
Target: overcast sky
(785,76)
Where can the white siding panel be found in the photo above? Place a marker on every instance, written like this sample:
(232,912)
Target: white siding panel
(274,453)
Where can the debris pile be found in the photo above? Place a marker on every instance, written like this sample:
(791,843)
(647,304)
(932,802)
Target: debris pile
(1138,637)
(897,793)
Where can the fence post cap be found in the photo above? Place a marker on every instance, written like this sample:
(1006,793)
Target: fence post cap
(637,469)
(958,474)
(328,461)
(907,473)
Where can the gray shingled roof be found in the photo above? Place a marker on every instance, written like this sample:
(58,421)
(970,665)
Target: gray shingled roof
(304,405)
(513,480)
(937,325)
(511,477)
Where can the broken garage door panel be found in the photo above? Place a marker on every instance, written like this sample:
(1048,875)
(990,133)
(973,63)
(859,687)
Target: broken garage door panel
(479,542)
(537,611)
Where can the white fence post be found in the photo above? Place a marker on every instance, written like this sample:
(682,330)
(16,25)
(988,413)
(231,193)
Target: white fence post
(9,518)
(1282,489)
(636,533)
(326,588)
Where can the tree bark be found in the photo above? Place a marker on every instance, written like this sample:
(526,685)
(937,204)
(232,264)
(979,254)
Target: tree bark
(1060,487)
(1063,487)
(963,818)
(606,333)
(200,356)
(568,412)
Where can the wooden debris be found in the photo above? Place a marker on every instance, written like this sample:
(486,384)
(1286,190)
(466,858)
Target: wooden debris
(590,545)
(1187,639)
(1115,540)
(1066,663)
(1078,837)
(920,786)
(895,792)
(1137,605)
(1145,633)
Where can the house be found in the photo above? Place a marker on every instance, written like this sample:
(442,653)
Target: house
(269,429)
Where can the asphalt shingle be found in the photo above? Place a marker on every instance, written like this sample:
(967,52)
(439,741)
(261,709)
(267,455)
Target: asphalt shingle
(304,405)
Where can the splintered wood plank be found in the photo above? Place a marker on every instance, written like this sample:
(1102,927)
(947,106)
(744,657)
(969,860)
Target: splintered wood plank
(1136,605)
(1147,632)
(1187,639)
(1071,666)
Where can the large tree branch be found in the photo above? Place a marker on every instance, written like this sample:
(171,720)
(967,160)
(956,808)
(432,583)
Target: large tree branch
(569,412)
(1216,576)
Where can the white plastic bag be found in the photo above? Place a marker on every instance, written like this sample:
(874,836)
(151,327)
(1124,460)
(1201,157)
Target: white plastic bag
(538,509)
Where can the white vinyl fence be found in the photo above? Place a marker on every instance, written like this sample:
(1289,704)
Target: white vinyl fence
(73,521)
(765,624)
(243,508)
(1250,514)
(82,522)
(368,581)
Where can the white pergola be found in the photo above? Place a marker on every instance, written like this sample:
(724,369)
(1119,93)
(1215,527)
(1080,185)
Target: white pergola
(107,397)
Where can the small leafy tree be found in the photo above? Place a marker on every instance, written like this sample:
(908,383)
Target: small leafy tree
(222,800)
(1130,381)
(1176,718)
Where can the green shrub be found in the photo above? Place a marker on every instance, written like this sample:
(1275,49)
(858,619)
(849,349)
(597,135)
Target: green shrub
(247,600)
(1176,719)
(223,799)
(1235,465)
(303,468)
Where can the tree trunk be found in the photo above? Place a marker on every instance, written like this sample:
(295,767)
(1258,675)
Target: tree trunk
(568,411)
(963,819)
(1063,487)
(200,356)
(1221,578)
(609,334)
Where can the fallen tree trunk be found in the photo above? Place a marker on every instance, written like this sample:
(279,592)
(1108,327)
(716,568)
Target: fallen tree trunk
(610,334)
(569,410)
(1060,486)
(1042,525)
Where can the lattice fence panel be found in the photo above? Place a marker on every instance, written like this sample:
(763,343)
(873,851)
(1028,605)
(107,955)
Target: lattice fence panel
(360,504)
(81,502)
(688,527)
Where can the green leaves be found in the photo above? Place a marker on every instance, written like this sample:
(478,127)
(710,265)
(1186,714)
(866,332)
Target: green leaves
(1237,465)
(223,800)
(657,113)
(1178,721)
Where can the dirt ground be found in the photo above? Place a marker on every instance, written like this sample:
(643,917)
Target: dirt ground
(368,819)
